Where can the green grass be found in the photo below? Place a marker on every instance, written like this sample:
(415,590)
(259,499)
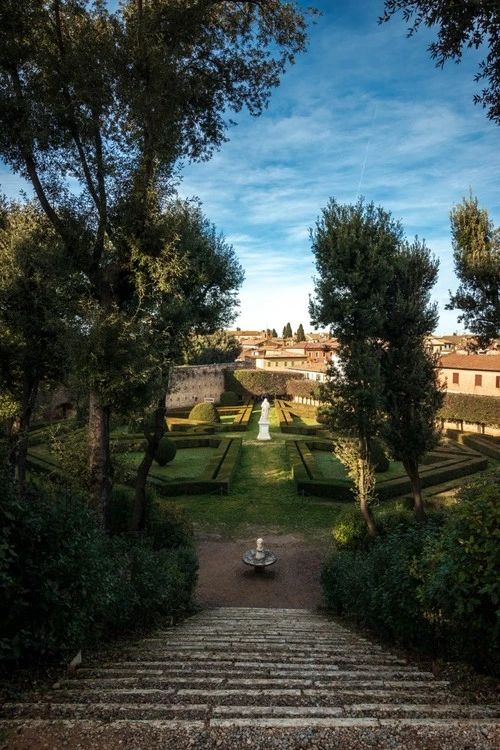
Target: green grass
(263,497)
(187,464)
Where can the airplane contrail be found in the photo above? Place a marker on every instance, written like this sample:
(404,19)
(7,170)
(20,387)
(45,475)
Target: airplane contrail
(366,152)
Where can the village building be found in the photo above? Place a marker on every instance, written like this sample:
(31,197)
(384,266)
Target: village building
(471,373)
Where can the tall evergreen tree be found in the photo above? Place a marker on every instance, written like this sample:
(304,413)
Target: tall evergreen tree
(354,246)
(300,335)
(476,251)
(412,391)
(287,331)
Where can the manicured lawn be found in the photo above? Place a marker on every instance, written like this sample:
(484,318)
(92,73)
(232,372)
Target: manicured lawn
(187,464)
(263,497)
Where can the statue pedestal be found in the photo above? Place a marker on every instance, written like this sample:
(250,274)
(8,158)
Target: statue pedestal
(264,430)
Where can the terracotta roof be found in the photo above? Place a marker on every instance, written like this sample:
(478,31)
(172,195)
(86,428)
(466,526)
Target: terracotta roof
(310,367)
(455,361)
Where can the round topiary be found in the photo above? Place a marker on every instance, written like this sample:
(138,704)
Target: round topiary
(204,412)
(228,398)
(165,452)
(378,457)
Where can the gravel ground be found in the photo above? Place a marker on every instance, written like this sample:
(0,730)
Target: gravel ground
(108,738)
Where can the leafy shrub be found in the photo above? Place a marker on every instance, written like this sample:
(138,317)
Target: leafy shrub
(228,398)
(460,574)
(166,451)
(434,586)
(350,531)
(65,585)
(204,412)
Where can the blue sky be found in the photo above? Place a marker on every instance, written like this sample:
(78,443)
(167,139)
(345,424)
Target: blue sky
(364,112)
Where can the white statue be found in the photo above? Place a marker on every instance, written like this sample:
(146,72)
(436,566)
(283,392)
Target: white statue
(265,410)
(259,549)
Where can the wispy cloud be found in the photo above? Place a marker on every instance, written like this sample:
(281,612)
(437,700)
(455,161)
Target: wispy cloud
(365,110)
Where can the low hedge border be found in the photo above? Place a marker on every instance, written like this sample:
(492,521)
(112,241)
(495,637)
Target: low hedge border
(310,480)
(489,445)
(242,414)
(216,477)
(286,423)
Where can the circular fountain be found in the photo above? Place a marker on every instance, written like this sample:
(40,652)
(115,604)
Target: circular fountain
(259,557)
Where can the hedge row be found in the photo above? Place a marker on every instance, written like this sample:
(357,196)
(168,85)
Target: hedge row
(310,480)
(253,383)
(488,445)
(181,422)
(468,407)
(286,423)
(216,477)
(305,388)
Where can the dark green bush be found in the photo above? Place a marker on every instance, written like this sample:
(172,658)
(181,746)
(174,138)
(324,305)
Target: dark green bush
(166,451)
(204,412)
(434,586)
(65,585)
(460,574)
(228,398)
(350,531)
(378,457)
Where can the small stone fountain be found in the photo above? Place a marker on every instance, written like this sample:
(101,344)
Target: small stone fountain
(259,557)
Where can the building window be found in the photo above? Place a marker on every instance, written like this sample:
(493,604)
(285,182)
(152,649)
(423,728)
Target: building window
(292,363)
(455,378)
(498,381)
(276,364)
(478,380)
(269,364)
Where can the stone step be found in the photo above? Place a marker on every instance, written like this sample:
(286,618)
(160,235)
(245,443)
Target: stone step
(264,668)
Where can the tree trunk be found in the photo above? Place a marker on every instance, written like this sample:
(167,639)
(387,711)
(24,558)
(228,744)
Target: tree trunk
(139,513)
(101,468)
(411,468)
(364,486)
(30,391)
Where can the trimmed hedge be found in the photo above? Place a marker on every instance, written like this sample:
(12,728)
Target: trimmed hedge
(228,398)
(468,407)
(166,451)
(216,477)
(286,422)
(303,387)
(447,464)
(253,383)
(204,412)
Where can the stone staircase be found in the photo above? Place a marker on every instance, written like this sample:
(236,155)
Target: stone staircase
(260,668)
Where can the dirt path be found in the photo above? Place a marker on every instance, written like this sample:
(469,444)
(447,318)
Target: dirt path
(225,581)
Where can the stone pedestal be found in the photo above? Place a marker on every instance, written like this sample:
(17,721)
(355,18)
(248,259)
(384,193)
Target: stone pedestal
(264,430)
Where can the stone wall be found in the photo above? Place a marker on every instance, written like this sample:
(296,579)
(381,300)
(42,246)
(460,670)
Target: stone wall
(190,384)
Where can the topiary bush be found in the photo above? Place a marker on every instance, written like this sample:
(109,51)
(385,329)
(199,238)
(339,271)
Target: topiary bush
(204,412)
(378,457)
(166,451)
(228,398)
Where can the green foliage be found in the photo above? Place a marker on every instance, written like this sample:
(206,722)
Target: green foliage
(287,331)
(459,572)
(65,585)
(205,412)
(166,451)
(257,382)
(378,457)
(302,387)
(476,252)
(300,335)
(218,347)
(459,28)
(228,398)
(471,408)
(71,453)
(432,585)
